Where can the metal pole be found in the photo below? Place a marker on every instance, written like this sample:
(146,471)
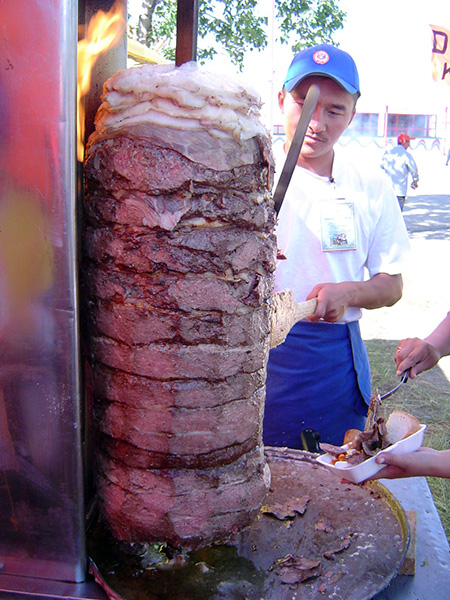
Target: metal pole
(386,118)
(272,63)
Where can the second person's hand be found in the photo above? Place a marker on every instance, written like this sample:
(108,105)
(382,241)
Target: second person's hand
(416,355)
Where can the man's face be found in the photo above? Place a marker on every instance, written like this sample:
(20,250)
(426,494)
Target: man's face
(334,112)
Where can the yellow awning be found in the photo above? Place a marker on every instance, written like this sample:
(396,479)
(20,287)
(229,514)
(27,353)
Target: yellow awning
(142,54)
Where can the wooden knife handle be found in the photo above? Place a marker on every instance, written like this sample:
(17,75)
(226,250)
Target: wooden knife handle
(304,309)
(285,313)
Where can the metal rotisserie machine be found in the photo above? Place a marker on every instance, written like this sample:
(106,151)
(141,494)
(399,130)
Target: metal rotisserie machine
(45,487)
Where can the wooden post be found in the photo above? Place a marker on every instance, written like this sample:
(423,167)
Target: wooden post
(187,29)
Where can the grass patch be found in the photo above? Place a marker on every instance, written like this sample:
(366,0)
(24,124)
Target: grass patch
(428,399)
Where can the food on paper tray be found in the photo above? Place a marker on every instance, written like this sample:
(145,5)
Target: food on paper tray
(355,460)
(179,255)
(360,445)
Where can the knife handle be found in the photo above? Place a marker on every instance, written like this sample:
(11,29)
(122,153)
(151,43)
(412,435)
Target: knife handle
(304,309)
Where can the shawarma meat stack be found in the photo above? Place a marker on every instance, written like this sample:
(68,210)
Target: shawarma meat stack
(177,277)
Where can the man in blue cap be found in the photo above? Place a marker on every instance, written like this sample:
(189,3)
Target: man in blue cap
(344,241)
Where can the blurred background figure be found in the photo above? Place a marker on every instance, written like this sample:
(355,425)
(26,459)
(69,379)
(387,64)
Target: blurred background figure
(399,164)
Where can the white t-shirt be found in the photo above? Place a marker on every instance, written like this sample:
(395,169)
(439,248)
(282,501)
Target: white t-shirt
(349,228)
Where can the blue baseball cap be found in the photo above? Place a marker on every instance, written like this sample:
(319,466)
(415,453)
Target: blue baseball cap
(325,60)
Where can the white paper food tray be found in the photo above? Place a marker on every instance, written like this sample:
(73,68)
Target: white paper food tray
(370,467)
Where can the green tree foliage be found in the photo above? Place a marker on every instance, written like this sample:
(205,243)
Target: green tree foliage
(238,27)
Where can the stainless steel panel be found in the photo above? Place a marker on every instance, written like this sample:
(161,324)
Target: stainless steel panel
(41,478)
(43,589)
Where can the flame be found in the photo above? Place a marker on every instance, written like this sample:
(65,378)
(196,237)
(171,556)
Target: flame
(103,32)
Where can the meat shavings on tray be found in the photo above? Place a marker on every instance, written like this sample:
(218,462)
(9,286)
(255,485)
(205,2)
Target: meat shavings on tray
(359,445)
(377,435)
(329,554)
(295,569)
(290,508)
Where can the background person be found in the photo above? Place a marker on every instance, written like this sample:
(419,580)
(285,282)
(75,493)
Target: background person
(345,242)
(399,164)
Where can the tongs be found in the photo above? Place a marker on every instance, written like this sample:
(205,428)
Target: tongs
(404,379)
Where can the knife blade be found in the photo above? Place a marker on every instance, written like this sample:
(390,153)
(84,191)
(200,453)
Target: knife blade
(308,109)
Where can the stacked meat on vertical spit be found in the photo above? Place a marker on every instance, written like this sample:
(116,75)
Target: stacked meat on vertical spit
(178,264)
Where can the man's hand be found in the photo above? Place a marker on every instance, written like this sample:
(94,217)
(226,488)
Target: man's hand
(333,299)
(332,302)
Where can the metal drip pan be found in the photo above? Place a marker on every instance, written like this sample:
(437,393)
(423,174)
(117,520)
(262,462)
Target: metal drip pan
(345,541)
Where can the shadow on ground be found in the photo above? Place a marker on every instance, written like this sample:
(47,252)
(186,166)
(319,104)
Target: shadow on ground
(428,217)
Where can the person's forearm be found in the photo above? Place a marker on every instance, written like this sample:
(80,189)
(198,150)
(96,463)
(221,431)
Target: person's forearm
(441,466)
(440,337)
(424,462)
(419,355)
(333,299)
(381,290)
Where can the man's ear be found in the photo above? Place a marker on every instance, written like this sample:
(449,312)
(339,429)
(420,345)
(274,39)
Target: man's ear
(281,97)
(351,118)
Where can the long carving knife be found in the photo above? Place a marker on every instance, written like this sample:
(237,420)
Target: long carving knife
(308,109)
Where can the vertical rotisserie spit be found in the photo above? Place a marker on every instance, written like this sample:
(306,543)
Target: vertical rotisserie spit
(178,264)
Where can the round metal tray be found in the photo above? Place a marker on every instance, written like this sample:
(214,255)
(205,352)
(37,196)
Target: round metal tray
(355,537)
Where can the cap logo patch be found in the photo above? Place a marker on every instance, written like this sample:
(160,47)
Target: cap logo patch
(321,57)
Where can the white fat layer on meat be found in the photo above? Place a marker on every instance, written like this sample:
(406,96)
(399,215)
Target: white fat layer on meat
(184,97)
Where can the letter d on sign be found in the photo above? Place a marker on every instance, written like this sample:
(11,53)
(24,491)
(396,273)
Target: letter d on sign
(437,47)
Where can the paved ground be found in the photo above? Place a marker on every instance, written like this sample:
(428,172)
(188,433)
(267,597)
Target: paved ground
(428,217)
(426,295)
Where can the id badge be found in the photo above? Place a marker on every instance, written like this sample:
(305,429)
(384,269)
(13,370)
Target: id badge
(337,218)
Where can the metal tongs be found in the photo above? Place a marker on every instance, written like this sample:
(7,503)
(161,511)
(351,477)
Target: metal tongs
(404,379)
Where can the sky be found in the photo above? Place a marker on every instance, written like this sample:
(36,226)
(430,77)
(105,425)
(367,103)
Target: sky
(390,41)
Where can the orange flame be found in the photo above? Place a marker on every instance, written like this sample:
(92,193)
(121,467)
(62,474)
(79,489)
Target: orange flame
(104,31)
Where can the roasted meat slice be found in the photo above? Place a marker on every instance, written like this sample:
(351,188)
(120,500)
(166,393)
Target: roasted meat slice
(359,445)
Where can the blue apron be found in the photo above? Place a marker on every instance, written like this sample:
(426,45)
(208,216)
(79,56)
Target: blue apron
(318,379)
